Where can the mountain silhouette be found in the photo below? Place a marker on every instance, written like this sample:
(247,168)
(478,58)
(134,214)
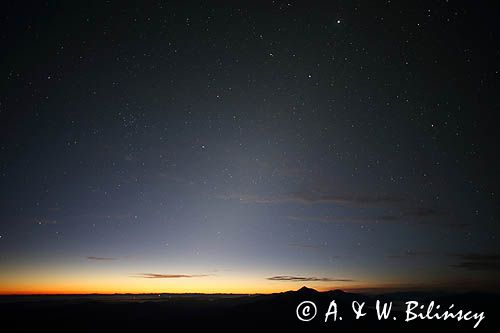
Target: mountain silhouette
(306,290)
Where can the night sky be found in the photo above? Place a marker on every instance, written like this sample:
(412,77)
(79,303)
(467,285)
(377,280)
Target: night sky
(248,146)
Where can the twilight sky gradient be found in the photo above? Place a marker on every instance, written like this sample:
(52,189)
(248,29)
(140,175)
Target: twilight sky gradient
(248,147)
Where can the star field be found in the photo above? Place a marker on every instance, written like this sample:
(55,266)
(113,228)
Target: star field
(229,143)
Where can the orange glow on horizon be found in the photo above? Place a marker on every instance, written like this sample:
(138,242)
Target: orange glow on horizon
(74,280)
(160,286)
(234,289)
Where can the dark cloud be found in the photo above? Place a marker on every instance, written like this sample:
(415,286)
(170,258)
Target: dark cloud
(478,256)
(168,276)
(101,258)
(478,262)
(305,279)
(492,266)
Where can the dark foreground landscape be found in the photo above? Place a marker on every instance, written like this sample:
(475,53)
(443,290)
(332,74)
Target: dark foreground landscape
(96,313)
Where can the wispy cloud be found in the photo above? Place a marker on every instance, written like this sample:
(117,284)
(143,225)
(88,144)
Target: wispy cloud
(312,197)
(305,279)
(408,254)
(101,258)
(307,246)
(478,262)
(343,219)
(419,216)
(321,219)
(44,221)
(115,216)
(168,276)
(424,212)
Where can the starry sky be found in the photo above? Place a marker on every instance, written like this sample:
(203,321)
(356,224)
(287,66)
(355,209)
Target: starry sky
(207,146)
